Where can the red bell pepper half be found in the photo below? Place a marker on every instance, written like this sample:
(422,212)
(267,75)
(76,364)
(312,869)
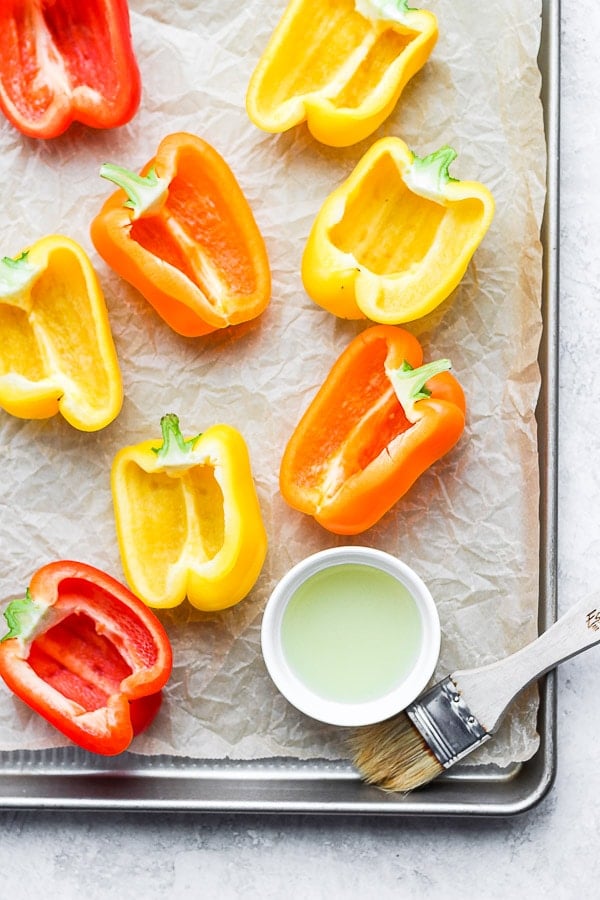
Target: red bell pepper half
(66,60)
(87,655)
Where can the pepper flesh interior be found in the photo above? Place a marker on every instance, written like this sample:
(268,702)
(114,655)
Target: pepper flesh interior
(51,338)
(172,516)
(78,662)
(361,426)
(382,53)
(197,233)
(19,351)
(340,39)
(65,26)
(79,657)
(389,229)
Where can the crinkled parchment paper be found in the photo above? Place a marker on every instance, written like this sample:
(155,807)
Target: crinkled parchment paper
(469,526)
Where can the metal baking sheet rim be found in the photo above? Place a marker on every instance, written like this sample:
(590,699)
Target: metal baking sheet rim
(69,779)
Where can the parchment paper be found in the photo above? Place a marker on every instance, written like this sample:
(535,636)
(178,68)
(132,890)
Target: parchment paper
(469,526)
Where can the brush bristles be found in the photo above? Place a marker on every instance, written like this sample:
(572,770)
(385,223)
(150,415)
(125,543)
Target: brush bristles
(394,756)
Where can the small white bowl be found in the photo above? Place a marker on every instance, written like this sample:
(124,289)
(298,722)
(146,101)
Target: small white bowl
(360,641)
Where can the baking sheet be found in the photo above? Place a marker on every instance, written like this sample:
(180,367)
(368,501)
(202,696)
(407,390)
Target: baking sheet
(64,777)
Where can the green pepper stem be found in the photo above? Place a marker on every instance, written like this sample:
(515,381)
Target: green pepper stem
(24,618)
(175,452)
(429,175)
(389,10)
(409,383)
(146,194)
(16,275)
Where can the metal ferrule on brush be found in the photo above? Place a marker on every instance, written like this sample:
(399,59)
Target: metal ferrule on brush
(446,723)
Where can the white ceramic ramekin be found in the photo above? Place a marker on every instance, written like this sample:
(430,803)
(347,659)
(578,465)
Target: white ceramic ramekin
(350,713)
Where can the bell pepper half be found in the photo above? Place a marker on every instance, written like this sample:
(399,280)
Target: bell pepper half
(184,235)
(87,655)
(339,65)
(188,519)
(395,239)
(66,60)
(57,352)
(380,419)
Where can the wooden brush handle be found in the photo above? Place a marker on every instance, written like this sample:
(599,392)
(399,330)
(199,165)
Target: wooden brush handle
(489,689)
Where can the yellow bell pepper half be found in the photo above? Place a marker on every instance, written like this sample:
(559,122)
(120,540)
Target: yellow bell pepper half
(57,353)
(395,239)
(188,519)
(341,65)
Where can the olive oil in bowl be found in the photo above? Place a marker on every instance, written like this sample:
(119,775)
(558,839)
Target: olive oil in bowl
(351,632)
(350,635)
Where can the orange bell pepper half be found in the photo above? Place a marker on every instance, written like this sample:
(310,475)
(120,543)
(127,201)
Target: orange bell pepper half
(380,419)
(87,655)
(184,235)
(66,60)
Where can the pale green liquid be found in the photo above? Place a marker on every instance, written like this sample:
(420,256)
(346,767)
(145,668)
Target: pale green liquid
(351,633)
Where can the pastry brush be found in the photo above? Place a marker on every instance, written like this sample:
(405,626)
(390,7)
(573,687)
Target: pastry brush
(465,709)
